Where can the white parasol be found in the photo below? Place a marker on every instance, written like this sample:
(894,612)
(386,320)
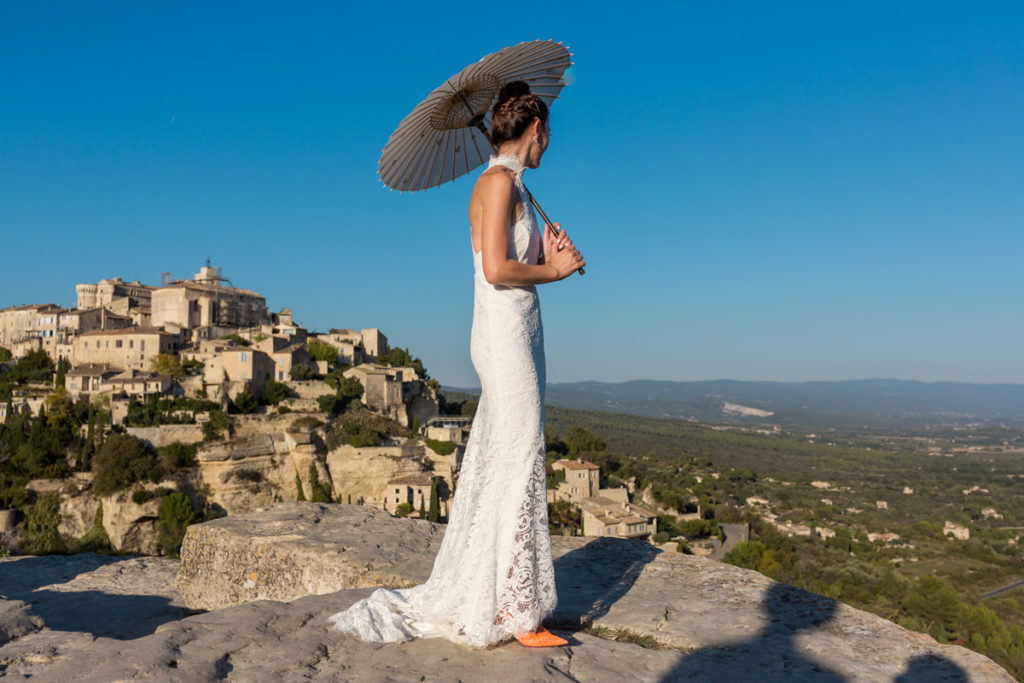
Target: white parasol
(446,135)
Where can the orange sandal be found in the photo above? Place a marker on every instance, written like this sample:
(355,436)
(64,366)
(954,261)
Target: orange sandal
(541,638)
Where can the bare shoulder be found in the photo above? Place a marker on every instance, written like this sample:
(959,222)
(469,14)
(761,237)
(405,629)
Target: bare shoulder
(495,179)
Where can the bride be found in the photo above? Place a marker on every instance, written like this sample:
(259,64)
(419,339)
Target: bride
(493,577)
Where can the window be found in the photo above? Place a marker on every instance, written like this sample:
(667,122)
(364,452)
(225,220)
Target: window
(131,343)
(85,345)
(108,344)
(244,356)
(117,344)
(396,491)
(142,345)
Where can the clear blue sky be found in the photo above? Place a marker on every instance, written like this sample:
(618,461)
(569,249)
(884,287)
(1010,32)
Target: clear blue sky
(763,191)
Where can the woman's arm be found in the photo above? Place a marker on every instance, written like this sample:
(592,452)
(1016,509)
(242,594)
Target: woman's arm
(496,196)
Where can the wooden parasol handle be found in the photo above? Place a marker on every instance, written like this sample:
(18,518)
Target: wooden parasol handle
(547,221)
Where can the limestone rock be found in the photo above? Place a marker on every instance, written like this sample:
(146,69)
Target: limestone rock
(365,472)
(16,620)
(295,549)
(734,623)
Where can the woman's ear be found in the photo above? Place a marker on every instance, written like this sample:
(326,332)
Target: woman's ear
(535,130)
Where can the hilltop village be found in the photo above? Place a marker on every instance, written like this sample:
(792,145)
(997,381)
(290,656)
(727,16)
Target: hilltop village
(191,399)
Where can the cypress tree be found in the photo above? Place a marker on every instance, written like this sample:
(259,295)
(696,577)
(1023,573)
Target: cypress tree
(435,503)
(298,485)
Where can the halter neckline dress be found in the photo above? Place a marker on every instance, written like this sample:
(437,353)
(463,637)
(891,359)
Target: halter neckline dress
(493,577)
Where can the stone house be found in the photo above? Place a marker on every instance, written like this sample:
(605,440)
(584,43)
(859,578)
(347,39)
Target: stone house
(398,393)
(23,327)
(413,489)
(87,378)
(453,428)
(288,357)
(137,385)
(582,480)
(606,517)
(126,349)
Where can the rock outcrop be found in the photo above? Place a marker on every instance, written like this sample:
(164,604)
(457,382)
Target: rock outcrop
(631,613)
(297,549)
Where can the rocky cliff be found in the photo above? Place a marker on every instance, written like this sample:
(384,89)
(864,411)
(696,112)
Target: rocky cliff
(631,613)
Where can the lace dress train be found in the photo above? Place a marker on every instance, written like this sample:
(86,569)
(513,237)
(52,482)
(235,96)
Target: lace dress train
(493,577)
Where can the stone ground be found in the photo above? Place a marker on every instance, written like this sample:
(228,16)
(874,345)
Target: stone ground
(101,618)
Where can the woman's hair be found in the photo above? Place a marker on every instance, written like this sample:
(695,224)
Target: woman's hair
(514,111)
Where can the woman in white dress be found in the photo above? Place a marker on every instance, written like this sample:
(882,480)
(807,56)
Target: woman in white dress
(493,577)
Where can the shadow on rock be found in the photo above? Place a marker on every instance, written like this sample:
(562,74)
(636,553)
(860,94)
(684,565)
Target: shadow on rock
(930,669)
(591,579)
(771,655)
(102,614)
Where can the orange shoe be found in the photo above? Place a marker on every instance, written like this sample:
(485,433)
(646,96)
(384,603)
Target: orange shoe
(541,638)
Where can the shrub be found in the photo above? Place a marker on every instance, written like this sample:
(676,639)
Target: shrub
(282,410)
(320,491)
(661,537)
(245,402)
(177,454)
(241,341)
(301,372)
(140,496)
(41,520)
(96,539)
(249,475)
(219,422)
(403,509)
(303,423)
(330,404)
(442,447)
(122,461)
(319,350)
(275,392)
(176,513)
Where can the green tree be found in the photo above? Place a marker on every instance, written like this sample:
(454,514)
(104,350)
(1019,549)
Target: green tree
(166,364)
(435,502)
(275,392)
(301,496)
(935,605)
(122,461)
(41,520)
(320,491)
(403,509)
(320,350)
(5,354)
(245,402)
(62,370)
(580,441)
(302,372)
(176,513)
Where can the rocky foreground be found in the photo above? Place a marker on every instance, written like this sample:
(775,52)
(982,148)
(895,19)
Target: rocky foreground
(271,578)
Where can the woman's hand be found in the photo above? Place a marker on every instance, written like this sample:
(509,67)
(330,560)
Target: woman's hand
(560,253)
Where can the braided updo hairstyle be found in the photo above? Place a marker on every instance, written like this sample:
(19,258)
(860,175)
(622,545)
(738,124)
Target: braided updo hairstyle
(514,111)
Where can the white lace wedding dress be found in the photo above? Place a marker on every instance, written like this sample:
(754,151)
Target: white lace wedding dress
(493,576)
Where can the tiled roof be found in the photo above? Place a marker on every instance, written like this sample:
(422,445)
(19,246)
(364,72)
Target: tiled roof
(577,465)
(421,479)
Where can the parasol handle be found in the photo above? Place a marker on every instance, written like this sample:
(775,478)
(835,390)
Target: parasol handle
(547,221)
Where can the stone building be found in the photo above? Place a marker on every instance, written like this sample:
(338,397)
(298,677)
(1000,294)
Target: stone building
(87,378)
(606,517)
(115,295)
(453,428)
(22,328)
(414,490)
(397,393)
(127,349)
(206,306)
(582,480)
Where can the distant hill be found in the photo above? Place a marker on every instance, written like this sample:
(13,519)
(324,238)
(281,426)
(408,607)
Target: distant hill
(870,402)
(876,401)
